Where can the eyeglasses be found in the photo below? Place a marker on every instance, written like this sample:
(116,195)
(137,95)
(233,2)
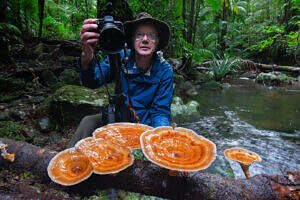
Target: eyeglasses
(150,36)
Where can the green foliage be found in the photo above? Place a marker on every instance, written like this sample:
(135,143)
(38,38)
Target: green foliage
(9,34)
(24,15)
(277,40)
(10,129)
(236,27)
(64,20)
(222,66)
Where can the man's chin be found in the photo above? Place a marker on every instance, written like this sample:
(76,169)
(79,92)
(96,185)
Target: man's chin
(144,53)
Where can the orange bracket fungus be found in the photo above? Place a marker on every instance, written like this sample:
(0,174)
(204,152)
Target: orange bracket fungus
(106,158)
(69,167)
(4,154)
(244,157)
(122,134)
(178,149)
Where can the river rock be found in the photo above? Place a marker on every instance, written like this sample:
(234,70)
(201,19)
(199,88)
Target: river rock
(70,104)
(179,108)
(273,79)
(45,124)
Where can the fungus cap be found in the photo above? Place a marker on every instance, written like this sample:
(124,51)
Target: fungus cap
(122,134)
(242,155)
(105,157)
(178,149)
(69,167)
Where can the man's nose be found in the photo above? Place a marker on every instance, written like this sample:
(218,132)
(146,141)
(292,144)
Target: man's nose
(145,37)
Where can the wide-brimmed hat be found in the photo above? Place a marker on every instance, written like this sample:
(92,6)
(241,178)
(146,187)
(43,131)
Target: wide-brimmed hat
(162,29)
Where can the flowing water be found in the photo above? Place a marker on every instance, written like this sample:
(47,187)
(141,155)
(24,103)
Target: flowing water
(261,119)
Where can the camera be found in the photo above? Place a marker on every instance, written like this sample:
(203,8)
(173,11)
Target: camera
(112,36)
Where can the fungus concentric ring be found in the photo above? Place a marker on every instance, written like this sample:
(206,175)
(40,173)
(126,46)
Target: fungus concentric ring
(244,157)
(178,149)
(69,167)
(105,157)
(122,134)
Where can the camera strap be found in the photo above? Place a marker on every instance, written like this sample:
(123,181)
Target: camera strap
(125,62)
(102,76)
(111,110)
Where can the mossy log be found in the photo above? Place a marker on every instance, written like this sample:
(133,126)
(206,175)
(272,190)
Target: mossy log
(250,65)
(150,179)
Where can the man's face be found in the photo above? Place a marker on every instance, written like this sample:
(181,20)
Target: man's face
(145,39)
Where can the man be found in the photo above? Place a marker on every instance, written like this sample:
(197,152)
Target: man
(148,82)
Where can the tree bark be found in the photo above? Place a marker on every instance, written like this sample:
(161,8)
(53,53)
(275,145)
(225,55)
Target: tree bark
(150,179)
(3,11)
(41,16)
(119,9)
(184,19)
(196,21)
(191,22)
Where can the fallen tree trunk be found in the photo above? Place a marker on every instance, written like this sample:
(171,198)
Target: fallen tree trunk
(250,65)
(150,179)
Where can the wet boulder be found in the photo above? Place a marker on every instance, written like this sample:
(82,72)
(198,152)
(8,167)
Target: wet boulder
(70,104)
(179,108)
(45,125)
(273,78)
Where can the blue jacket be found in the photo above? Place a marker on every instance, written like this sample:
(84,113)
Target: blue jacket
(151,92)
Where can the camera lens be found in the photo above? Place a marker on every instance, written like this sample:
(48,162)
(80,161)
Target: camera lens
(112,39)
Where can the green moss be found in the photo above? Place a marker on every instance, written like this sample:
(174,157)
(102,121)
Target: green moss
(10,129)
(70,77)
(80,95)
(138,154)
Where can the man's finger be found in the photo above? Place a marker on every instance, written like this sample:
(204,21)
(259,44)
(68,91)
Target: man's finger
(92,41)
(88,35)
(89,21)
(88,27)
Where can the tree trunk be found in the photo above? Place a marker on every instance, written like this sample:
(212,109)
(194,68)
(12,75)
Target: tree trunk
(4,50)
(223,29)
(150,179)
(119,9)
(184,19)
(196,21)
(191,22)
(41,16)
(3,11)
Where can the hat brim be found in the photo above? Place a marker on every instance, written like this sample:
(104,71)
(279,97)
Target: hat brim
(162,29)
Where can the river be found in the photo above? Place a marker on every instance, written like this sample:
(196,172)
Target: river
(262,119)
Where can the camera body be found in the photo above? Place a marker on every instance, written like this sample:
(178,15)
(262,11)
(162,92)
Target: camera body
(112,36)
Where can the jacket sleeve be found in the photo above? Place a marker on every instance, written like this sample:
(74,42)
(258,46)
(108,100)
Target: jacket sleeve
(91,76)
(160,110)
